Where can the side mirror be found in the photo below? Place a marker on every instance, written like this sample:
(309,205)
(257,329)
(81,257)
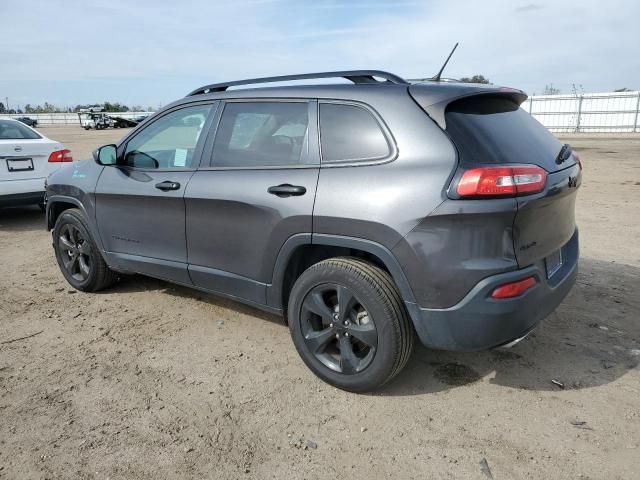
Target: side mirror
(106,155)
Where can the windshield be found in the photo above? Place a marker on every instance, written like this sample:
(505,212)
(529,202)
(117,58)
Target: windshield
(12,130)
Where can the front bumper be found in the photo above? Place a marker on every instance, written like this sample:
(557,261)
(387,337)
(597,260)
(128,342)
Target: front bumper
(479,322)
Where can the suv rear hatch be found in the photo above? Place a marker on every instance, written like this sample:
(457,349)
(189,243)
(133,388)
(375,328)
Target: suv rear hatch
(489,129)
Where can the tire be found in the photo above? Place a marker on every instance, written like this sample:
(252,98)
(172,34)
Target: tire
(78,256)
(333,308)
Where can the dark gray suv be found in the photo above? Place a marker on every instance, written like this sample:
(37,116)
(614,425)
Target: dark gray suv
(366,213)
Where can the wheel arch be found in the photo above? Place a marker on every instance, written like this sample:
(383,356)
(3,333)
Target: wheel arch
(303,250)
(57,204)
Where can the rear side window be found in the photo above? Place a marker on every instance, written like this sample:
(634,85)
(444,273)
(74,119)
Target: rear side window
(10,130)
(489,130)
(350,133)
(261,134)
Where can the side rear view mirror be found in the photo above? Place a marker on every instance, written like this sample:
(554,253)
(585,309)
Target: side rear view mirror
(106,155)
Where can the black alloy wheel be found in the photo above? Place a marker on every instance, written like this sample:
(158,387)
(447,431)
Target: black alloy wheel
(349,324)
(337,328)
(77,260)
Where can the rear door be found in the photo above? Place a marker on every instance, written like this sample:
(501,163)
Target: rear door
(254,191)
(492,130)
(140,208)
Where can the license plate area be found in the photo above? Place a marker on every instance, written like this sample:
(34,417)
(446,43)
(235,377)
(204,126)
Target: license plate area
(553,263)
(19,164)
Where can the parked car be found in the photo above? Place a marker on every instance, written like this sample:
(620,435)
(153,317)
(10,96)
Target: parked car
(364,213)
(32,122)
(26,158)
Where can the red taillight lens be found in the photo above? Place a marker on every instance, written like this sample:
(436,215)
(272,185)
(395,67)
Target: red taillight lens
(513,289)
(60,156)
(502,181)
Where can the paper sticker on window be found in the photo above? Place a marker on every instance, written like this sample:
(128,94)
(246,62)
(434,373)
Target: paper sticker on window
(180,159)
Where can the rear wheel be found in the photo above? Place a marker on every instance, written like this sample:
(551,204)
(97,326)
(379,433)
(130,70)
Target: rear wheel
(77,254)
(349,324)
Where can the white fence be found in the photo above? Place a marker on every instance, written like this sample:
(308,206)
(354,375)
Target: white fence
(53,119)
(588,112)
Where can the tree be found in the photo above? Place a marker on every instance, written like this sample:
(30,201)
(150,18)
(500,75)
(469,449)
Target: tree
(115,107)
(475,79)
(2,108)
(550,90)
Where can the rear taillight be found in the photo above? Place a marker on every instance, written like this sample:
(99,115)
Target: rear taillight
(60,156)
(513,289)
(501,181)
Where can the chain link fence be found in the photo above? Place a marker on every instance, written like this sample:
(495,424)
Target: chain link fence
(614,112)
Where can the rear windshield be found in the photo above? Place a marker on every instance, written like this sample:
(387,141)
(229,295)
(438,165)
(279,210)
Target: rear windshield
(488,129)
(12,130)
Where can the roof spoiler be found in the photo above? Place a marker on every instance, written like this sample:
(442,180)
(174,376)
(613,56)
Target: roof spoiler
(434,101)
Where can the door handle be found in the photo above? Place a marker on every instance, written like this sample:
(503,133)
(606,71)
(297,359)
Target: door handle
(287,190)
(167,185)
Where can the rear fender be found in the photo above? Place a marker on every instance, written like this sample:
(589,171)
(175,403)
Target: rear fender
(274,291)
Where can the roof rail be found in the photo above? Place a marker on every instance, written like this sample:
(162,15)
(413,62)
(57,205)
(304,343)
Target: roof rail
(356,76)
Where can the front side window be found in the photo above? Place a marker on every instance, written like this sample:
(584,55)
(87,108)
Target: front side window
(350,133)
(259,134)
(13,130)
(170,141)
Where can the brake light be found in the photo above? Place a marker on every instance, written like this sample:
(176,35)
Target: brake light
(502,181)
(513,289)
(60,156)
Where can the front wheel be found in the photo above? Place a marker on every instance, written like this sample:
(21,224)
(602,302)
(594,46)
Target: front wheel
(349,324)
(78,256)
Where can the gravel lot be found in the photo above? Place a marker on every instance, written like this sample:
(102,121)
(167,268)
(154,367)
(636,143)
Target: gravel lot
(149,380)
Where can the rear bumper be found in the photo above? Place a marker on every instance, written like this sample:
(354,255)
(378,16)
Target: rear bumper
(479,322)
(27,198)
(23,185)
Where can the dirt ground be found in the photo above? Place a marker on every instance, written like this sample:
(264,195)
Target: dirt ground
(147,380)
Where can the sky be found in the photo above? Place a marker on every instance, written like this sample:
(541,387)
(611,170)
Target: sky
(150,52)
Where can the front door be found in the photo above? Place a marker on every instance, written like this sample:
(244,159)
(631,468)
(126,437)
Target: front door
(257,191)
(140,206)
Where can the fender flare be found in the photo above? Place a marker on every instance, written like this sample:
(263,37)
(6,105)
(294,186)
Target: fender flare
(66,199)
(274,290)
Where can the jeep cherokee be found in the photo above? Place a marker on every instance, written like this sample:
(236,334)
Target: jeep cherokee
(367,213)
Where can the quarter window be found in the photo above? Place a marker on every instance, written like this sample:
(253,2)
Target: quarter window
(258,134)
(350,133)
(170,141)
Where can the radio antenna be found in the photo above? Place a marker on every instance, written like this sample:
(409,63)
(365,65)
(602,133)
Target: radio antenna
(439,74)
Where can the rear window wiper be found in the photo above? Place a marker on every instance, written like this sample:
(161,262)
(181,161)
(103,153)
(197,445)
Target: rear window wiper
(565,152)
